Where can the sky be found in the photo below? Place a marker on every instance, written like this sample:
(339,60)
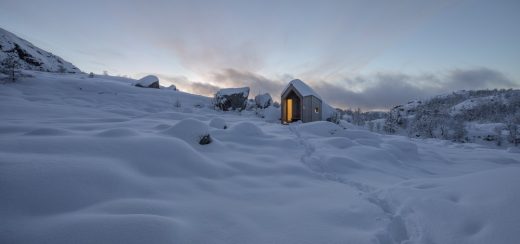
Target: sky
(368,54)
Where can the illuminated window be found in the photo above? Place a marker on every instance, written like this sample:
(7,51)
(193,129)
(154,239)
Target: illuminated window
(289,110)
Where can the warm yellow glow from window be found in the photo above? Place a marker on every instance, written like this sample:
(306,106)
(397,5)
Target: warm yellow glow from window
(289,110)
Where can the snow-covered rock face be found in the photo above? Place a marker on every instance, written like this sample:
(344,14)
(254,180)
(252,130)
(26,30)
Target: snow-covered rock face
(149,81)
(231,98)
(263,100)
(31,57)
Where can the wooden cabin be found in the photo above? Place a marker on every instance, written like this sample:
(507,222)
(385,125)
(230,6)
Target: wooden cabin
(300,102)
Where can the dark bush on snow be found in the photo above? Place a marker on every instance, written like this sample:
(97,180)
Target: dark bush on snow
(205,139)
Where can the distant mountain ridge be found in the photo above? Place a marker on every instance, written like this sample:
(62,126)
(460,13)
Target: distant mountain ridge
(31,57)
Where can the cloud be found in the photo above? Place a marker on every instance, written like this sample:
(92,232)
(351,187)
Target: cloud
(385,90)
(481,78)
(206,37)
(228,78)
(184,84)
(257,83)
(205,57)
(377,91)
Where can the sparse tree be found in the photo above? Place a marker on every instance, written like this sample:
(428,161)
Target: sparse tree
(10,67)
(335,117)
(498,136)
(370,125)
(390,126)
(459,131)
(61,69)
(177,103)
(357,118)
(512,122)
(513,133)
(91,75)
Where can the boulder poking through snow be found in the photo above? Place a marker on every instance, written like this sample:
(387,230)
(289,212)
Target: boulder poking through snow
(218,123)
(272,114)
(191,131)
(172,87)
(149,81)
(231,98)
(263,100)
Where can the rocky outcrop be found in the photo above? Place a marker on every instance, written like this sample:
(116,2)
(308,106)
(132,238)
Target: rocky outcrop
(29,57)
(231,98)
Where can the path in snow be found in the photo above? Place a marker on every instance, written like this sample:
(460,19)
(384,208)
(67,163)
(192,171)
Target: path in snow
(395,231)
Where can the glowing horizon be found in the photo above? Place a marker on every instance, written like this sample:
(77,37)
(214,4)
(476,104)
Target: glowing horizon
(356,54)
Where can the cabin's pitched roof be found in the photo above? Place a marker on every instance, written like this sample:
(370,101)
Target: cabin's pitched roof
(302,88)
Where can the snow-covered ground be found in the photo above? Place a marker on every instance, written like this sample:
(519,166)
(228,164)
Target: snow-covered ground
(97,160)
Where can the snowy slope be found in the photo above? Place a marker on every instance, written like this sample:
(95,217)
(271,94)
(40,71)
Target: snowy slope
(96,160)
(31,57)
(480,116)
(473,103)
(462,102)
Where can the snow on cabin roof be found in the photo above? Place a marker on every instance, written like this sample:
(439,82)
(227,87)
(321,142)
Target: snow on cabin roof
(302,88)
(148,80)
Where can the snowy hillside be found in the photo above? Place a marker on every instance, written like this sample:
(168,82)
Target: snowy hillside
(98,160)
(461,116)
(31,57)
(468,104)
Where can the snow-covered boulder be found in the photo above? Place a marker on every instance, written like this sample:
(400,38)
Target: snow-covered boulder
(149,81)
(30,57)
(263,100)
(190,130)
(171,87)
(272,114)
(231,98)
(218,123)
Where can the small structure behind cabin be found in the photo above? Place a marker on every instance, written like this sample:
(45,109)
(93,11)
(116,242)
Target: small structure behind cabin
(300,102)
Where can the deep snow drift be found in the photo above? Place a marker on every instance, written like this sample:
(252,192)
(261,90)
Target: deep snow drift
(97,160)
